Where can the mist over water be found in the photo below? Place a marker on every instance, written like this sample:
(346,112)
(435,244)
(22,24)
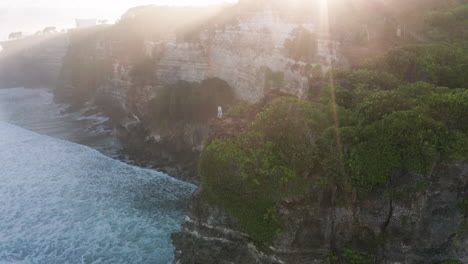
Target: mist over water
(62,202)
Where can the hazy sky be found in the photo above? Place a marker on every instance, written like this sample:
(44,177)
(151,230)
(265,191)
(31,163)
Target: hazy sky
(30,16)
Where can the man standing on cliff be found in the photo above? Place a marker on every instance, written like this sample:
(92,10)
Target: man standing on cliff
(220,112)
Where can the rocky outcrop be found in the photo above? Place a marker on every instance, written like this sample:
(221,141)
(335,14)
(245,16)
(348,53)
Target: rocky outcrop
(33,61)
(419,221)
(240,53)
(174,151)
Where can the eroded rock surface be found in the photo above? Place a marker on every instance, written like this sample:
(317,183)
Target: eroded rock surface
(414,226)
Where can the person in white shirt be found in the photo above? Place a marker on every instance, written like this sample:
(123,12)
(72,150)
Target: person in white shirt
(220,112)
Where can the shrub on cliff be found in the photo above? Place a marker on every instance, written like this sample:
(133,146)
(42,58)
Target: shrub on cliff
(390,129)
(271,161)
(449,25)
(350,256)
(440,64)
(403,110)
(293,144)
(405,139)
(353,86)
(380,104)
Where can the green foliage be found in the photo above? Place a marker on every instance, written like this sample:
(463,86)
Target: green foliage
(240,110)
(191,102)
(368,80)
(338,95)
(350,256)
(269,162)
(353,86)
(451,108)
(401,140)
(380,104)
(440,64)
(449,25)
(404,110)
(452,261)
(336,148)
(464,206)
(290,140)
(364,156)
(302,45)
(462,228)
(273,80)
(408,128)
(404,220)
(419,89)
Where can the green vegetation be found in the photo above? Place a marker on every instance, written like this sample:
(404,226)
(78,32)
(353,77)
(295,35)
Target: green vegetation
(464,207)
(449,25)
(439,64)
(355,144)
(403,110)
(274,155)
(292,141)
(404,220)
(190,102)
(350,256)
(273,80)
(241,110)
(453,261)
(464,210)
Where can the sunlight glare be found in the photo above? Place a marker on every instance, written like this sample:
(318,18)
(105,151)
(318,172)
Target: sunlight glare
(324,28)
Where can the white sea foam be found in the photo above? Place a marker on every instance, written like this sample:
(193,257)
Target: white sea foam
(65,203)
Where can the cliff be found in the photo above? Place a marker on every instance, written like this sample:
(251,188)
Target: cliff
(427,226)
(320,162)
(122,68)
(280,183)
(32,61)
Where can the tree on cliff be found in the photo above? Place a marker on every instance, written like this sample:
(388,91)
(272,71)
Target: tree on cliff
(15,35)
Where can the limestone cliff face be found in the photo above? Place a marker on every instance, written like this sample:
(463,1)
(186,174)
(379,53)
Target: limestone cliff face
(240,53)
(249,54)
(33,61)
(423,226)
